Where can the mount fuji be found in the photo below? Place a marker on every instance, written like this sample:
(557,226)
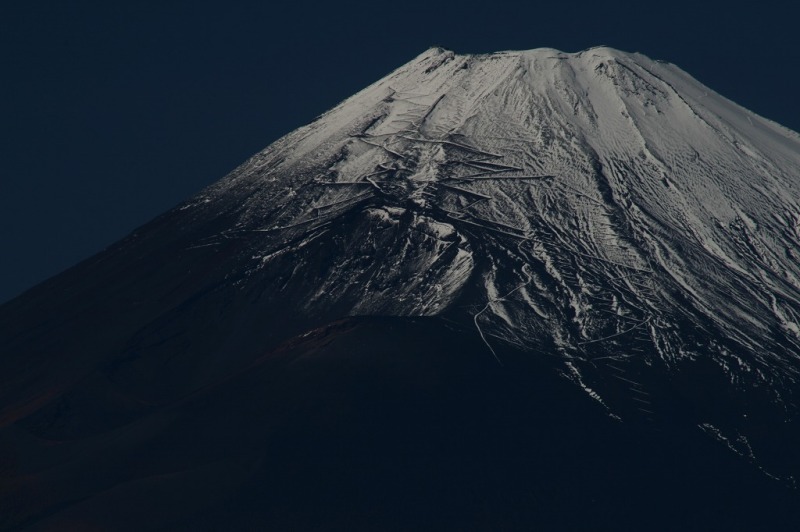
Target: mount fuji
(487,292)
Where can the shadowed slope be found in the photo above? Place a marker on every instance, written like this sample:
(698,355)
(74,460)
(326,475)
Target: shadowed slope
(385,424)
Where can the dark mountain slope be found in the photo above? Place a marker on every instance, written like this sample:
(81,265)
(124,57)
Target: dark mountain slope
(583,264)
(383,424)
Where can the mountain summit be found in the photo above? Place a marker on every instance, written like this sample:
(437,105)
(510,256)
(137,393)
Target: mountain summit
(598,232)
(589,182)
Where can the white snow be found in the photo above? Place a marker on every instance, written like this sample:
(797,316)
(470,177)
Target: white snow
(589,200)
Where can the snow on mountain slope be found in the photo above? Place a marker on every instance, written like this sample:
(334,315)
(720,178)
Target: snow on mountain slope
(600,208)
(596,198)
(598,205)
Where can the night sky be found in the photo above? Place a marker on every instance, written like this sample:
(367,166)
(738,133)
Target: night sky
(113,113)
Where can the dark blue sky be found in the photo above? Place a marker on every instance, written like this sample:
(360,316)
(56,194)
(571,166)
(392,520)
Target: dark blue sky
(112,113)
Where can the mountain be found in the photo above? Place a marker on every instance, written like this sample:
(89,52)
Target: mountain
(489,292)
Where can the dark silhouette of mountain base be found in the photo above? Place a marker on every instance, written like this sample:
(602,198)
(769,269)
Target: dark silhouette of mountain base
(382,424)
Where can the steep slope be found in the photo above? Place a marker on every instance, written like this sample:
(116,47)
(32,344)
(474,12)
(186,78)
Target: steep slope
(612,190)
(388,424)
(598,209)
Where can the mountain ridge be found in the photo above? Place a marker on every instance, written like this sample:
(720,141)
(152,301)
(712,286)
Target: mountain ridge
(598,210)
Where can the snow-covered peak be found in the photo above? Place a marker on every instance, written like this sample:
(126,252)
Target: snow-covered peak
(596,205)
(600,209)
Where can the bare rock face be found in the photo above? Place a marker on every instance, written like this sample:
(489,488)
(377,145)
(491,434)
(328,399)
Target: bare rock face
(600,217)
